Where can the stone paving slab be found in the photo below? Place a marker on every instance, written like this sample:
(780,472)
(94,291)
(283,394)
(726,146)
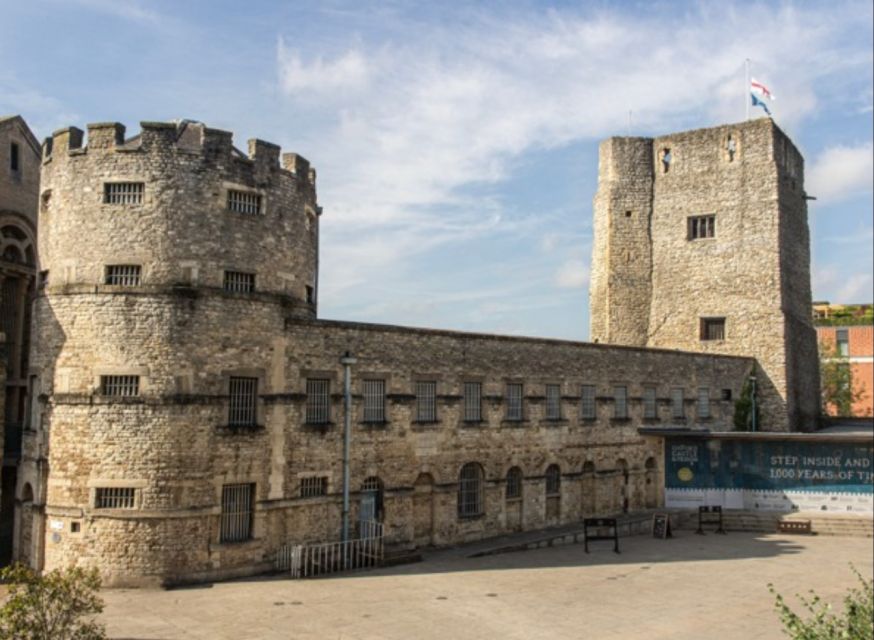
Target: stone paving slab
(686,587)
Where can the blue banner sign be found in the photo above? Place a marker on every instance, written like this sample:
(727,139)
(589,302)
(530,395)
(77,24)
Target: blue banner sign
(769,465)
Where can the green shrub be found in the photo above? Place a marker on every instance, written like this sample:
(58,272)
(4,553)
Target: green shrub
(58,605)
(855,623)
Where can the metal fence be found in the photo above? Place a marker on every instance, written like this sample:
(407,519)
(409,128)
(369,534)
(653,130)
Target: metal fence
(311,560)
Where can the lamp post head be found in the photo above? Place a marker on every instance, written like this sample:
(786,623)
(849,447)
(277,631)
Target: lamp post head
(347,359)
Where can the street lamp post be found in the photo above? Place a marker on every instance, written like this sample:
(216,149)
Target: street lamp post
(347,361)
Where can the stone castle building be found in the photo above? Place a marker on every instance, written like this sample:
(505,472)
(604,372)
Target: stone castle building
(20,156)
(186,401)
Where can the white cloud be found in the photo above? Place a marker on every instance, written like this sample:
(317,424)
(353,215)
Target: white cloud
(348,70)
(856,288)
(573,274)
(841,172)
(411,126)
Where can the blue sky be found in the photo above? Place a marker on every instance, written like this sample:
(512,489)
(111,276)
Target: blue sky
(456,145)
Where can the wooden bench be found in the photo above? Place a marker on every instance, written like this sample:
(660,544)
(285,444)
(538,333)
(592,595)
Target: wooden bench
(794,526)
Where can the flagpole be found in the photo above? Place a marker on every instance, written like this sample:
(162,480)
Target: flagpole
(747,87)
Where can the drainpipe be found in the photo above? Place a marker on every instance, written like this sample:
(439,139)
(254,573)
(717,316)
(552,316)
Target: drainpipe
(347,361)
(753,398)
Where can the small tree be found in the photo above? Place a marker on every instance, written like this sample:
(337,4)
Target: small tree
(856,622)
(743,408)
(837,381)
(59,605)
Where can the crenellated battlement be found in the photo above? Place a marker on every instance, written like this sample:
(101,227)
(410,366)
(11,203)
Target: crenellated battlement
(263,160)
(179,204)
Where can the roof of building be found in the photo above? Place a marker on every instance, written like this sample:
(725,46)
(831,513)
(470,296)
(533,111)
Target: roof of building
(28,134)
(854,430)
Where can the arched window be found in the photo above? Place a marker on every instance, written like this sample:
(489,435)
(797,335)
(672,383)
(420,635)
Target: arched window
(470,490)
(514,484)
(553,480)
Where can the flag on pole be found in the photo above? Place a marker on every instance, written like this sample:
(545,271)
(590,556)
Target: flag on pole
(759,91)
(762,90)
(760,103)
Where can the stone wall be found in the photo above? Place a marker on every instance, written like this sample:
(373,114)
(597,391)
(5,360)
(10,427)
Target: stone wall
(755,271)
(177,450)
(620,292)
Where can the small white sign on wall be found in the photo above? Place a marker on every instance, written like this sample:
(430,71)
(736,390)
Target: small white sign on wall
(56,525)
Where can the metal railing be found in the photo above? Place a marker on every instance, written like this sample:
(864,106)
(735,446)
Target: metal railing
(311,560)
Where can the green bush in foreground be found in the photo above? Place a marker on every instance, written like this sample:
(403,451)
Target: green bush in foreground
(856,623)
(59,605)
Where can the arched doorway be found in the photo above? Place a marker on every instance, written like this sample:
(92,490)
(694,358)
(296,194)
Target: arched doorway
(623,486)
(587,489)
(651,492)
(371,505)
(552,489)
(423,510)
(513,498)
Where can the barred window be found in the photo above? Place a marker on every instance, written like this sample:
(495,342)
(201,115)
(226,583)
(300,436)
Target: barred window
(677,408)
(239,282)
(426,401)
(620,402)
(318,401)
(701,227)
(115,498)
(125,275)
(514,484)
(236,517)
(553,402)
(470,490)
(243,403)
(650,410)
(120,385)
(703,402)
(588,402)
(713,328)
(553,480)
(244,202)
(514,401)
(374,400)
(313,487)
(123,192)
(473,402)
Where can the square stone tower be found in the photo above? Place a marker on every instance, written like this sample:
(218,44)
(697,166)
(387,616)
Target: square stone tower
(702,244)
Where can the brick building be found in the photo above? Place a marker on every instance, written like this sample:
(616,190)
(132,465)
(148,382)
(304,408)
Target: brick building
(844,328)
(187,400)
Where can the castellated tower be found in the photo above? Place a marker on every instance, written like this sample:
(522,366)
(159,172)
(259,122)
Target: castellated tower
(168,259)
(702,244)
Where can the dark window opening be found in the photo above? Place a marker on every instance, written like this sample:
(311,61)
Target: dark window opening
(311,294)
(701,227)
(842,338)
(713,328)
(14,162)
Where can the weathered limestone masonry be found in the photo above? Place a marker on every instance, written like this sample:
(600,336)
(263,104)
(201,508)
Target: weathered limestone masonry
(19,193)
(655,281)
(149,343)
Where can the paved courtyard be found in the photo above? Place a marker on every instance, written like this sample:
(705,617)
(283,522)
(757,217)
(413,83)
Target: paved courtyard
(687,587)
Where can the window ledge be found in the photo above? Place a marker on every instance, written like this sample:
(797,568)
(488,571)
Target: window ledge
(424,423)
(620,420)
(555,422)
(321,427)
(475,516)
(374,424)
(515,424)
(588,421)
(473,424)
(241,427)
(651,420)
